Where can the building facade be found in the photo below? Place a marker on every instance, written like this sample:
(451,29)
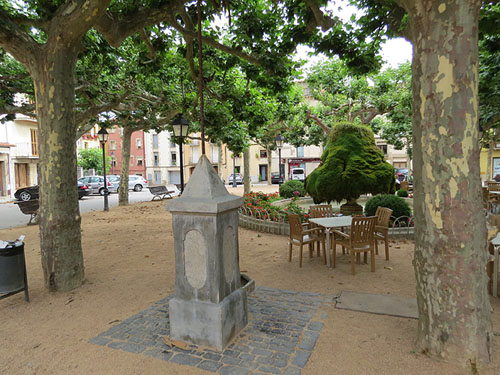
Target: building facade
(18,154)
(114,149)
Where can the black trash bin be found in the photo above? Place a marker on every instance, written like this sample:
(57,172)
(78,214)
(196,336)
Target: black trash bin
(13,278)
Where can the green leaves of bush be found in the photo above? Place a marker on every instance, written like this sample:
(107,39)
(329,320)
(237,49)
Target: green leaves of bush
(288,188)
(398,205)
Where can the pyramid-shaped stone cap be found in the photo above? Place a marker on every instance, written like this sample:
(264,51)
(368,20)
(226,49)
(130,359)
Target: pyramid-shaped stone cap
(205,192)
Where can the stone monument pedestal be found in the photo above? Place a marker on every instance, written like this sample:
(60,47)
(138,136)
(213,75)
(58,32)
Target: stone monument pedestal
(210,306)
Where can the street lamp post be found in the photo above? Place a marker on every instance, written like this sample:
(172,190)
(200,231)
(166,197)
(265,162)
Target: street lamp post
(279,144)
(180,126)
(234,171)
(103,138)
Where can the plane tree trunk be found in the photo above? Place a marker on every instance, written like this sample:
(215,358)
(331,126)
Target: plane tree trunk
(60,237)
(123,189)
(246,171)
(451,237)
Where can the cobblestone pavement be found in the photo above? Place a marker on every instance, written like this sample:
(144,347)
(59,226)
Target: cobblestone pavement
(282,331)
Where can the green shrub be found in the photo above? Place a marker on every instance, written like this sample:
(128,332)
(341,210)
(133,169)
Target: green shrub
(288,188)
(397,204)
(402,193)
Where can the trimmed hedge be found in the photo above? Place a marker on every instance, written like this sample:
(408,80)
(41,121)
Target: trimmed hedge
(289,187)
(351,165)
(397,204)
(402,193)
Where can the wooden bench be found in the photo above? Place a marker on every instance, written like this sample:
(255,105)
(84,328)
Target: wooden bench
(30,208)
(160,192)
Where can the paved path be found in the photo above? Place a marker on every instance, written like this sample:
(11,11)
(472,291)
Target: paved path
(279,338)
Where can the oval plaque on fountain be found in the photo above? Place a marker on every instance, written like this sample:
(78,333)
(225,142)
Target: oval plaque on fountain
(195,254)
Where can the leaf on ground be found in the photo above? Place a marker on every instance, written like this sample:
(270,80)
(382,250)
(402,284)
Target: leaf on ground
(71,299)
(176,343)
(397,247)
(388,268)
(114,321)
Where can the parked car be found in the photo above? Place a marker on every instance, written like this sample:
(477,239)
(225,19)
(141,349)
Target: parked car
(298,174)
(276,178)
(96,184)
(135,182)
(32,192)
(238,177)
(115,181)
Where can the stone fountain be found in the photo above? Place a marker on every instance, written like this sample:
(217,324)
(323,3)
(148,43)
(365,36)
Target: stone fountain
(210,303)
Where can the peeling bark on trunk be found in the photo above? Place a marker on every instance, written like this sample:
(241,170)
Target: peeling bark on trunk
(123,189)
(246,171)
(450,248)
(60,236)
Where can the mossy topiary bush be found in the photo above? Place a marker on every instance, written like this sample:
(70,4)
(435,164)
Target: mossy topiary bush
(398,205)
(402,193)
(351,165)
(289,187)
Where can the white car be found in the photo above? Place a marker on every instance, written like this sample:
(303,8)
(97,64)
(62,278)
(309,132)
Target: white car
(298,174)
(135,182)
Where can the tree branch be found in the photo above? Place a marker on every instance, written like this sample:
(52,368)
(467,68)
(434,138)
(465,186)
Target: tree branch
(16,42)
(321,124)
(93,111)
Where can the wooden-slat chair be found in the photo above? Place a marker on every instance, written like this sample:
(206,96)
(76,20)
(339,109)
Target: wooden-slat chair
(300,235)
(494,191)
(383,215)
(320,210)
(359,240)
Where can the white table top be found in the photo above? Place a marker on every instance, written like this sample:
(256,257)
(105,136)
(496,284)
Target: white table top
(333,222)
(496,241)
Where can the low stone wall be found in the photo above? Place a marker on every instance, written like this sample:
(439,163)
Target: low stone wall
(265,226)
(399,229)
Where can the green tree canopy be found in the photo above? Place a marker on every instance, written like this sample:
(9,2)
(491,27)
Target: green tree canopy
(91,158)
(351,165)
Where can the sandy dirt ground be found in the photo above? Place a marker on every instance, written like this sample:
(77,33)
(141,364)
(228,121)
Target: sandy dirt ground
(129,264)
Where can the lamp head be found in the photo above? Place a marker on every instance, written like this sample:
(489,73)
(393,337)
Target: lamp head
(180,126)
(102,135)
(279,141)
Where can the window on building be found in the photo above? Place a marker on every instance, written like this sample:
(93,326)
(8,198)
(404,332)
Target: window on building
(34,142)
(139,161)
(383,148)
(156,159)
(112,130)
(172,144)
(155,141)
(138,142)
(300,152)
(263,153)
(174,158)
(112,145)
(85,145)
(121,132)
